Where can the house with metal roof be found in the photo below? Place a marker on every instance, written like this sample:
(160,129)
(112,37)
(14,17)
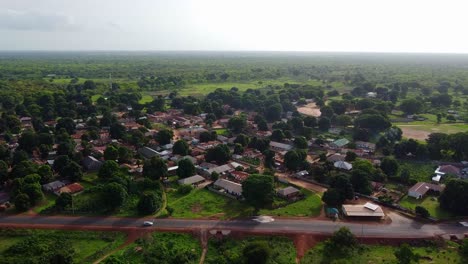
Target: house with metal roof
(343,165)
(147,152)
(421,188)
(280,146)
(90,163)
(339,143)
(368,210)
(192,180)
(229,187)
(53,186)
(288,192)
(221,169)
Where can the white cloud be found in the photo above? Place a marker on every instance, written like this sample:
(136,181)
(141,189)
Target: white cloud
(33,21)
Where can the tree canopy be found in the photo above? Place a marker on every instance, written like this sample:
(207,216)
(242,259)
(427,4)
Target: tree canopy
(155,168)
(258,190)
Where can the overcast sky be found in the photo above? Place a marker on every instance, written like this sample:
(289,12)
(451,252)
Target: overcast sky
(292,25)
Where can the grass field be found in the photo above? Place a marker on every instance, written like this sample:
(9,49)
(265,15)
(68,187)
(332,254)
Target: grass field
(429,202)
(421,131)
(206,88)
(87,246)
(385,254)
(204,203)
(145,98)
(310,206)
(420,171)
(222,131)
(161,248)
(230,250)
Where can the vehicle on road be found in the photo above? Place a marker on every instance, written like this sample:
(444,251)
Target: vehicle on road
(465,224)
(148,223)
(263,219)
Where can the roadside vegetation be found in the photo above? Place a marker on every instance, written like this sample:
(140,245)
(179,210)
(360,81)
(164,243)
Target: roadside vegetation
(268,250)
(430,203)
(40,246)
(343,247)
(159,248)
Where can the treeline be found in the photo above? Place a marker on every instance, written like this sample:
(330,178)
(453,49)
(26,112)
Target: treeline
(202,67)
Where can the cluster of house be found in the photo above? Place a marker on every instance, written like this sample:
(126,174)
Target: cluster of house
(59,187)
(459,170)
(420,189)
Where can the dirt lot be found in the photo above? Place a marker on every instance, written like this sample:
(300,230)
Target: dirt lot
(409,132)
(309,109)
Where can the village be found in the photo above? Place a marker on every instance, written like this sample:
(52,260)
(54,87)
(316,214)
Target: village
(191,138)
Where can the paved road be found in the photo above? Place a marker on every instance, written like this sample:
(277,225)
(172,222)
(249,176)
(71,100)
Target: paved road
(291,226)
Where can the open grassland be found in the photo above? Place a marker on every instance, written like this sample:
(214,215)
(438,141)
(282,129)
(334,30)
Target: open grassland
(385,254)
(206,88)
(310,206)
(161,248)
(18,246)
(431,203)
(204,203)
(230,250)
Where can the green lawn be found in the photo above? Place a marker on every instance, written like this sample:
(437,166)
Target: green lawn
(385,254)
(230,250)
(170,247)
(429,202)
(205,88)
(204,203)
(87,246)
(146,98)
(95,97)
(310,206)
(222,131)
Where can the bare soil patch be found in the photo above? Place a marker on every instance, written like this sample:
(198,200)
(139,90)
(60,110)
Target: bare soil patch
(409,132)
(310,109)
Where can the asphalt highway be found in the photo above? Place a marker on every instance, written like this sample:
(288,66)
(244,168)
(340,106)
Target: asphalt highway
(409,229)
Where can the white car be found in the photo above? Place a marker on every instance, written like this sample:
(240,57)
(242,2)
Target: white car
(263,219)
(148,223)
(465,224)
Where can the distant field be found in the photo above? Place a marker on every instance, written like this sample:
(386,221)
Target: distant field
(206,88)
(146,98)
(420,131)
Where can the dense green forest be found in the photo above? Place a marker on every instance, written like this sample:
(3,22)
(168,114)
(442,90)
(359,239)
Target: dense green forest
(199,67)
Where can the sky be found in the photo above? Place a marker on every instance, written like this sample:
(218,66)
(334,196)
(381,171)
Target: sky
(425,26)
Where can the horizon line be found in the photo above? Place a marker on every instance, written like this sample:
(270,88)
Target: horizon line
(238,51)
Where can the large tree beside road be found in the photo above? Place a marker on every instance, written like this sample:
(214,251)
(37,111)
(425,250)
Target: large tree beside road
(258,190)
